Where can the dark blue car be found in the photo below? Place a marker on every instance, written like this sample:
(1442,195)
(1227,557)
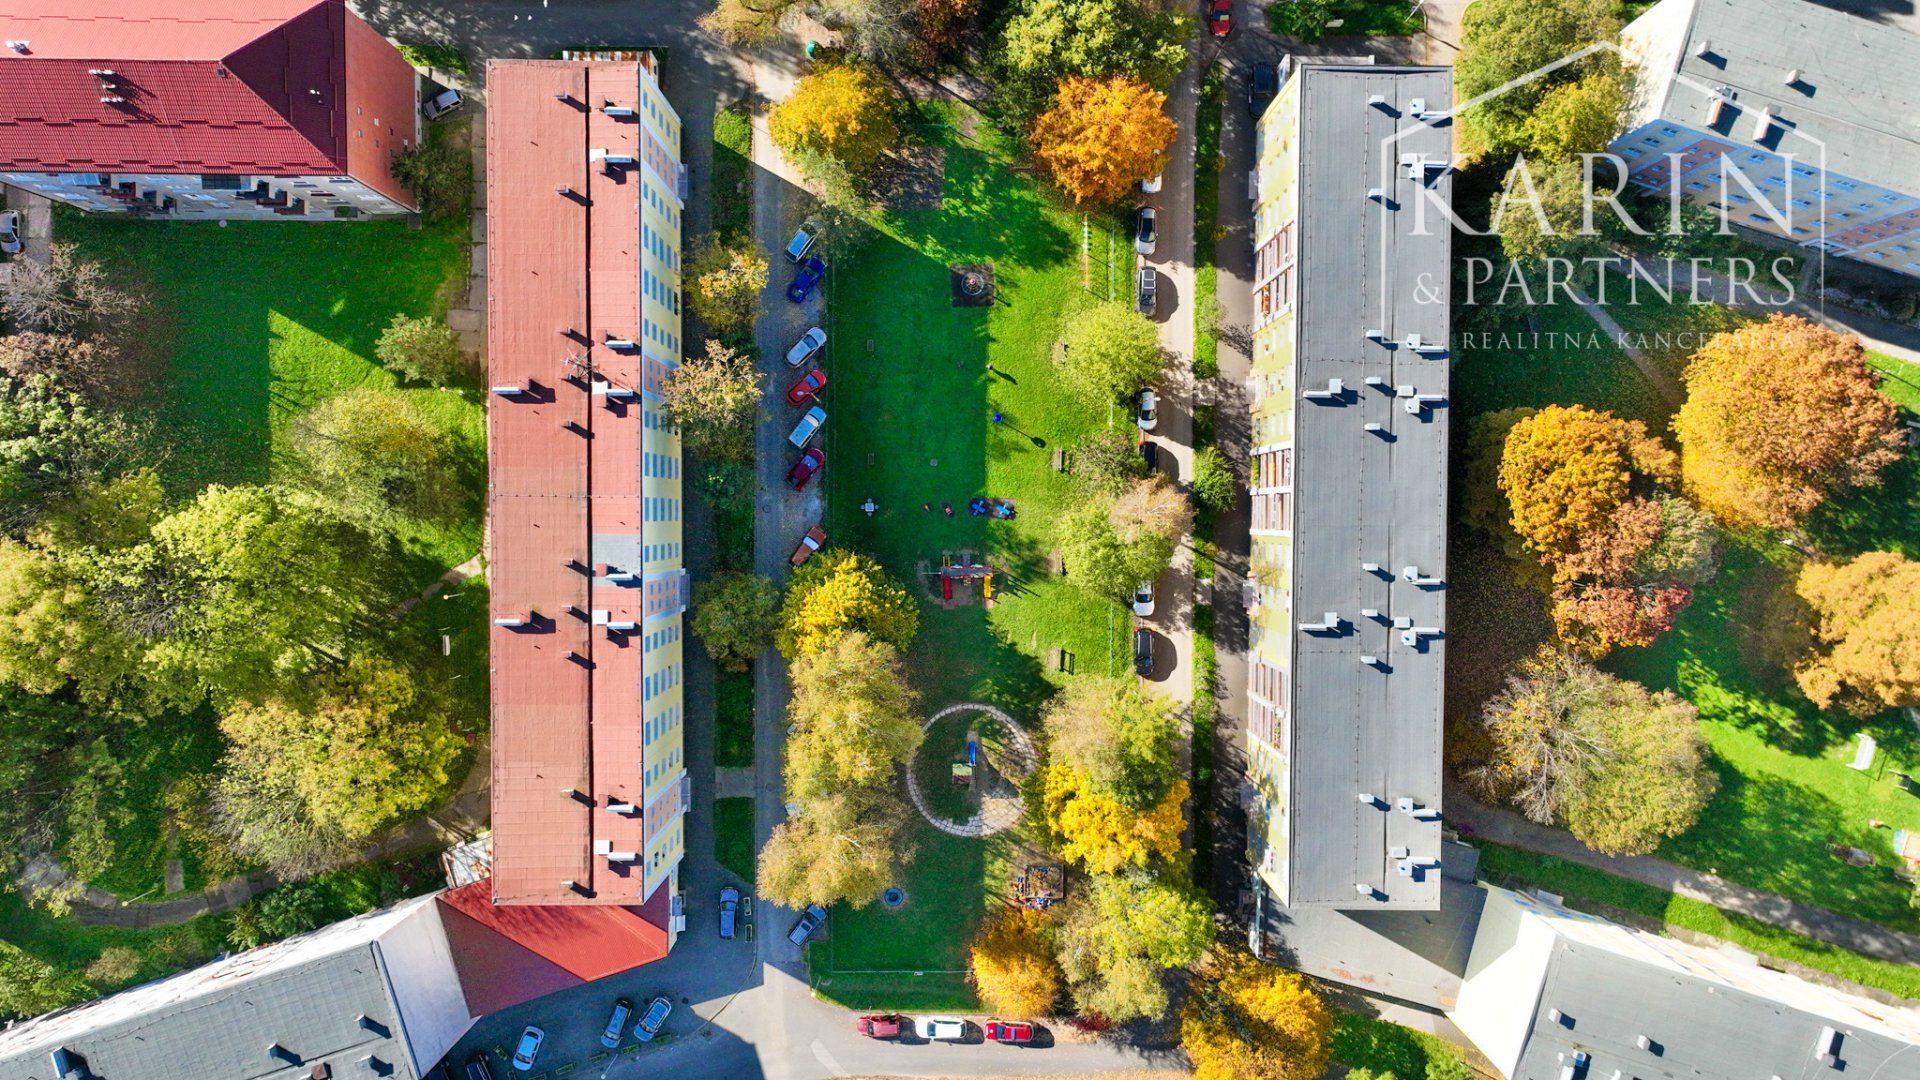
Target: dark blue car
(806,279)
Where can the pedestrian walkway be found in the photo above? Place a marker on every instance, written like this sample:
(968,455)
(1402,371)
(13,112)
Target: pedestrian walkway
(1477,821)
(1655,374)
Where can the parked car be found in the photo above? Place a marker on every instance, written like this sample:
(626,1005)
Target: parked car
(1142,651)
(729,907)
(1220,18)
(1150,453)
(806,279)
(1151,185)
(528,1051)
(1009,1031)
(809,343)
(478,1069)
(879,1025)
(657,1012)
(1146,410)
(1261,86)
(616,1023)
(810,384)
(810,423)
(10,241)
(803,470)
(1143,599)
(1145,226)
(810,921)
(815,539)
(441,104)
(940,1028)
(1144,287)
(802,241)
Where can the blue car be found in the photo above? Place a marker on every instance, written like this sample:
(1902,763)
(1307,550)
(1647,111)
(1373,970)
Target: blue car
(649,1025)
(806,279)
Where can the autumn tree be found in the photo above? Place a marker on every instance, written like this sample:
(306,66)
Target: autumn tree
(422,349)
(855,720)
(55,635)
(67,295)
(1108,352)
(102,372)
(1107,462)
(377,455)
(1778,415)
(1865,653)
(1540,213)
(724,283)
(837,849)
(1504,40)
(713,397)
(1151,509)
(1245,1020)
(1013,964)
(840,591)
(1566,468)
(1122,933)
(1578,117)
(1116,736)
(1102,136)
(1047,40)
(1103,834)
(843,112)
(736,613)
(1621,767)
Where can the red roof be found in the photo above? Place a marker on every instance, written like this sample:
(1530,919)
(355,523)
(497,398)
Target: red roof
(262,89)
(507,955)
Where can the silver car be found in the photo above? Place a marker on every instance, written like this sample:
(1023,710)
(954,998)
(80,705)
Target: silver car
(442,103)
(810,342)
(10,241)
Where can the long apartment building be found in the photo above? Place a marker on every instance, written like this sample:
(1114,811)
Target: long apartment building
(590,788)
(1349,397)
(1812,106)
(276,110)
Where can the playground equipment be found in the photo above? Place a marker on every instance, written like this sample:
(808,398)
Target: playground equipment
(1040,885)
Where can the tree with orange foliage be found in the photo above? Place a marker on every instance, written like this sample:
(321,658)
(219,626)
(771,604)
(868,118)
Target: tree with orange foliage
(842,112)
(1778,415)
(1102,135)
(1245,1019)
(1865,655)
(1566,468)
(1013,965)
(1597,618)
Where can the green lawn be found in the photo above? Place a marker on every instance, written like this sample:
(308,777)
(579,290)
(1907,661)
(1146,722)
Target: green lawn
(911,370)
(1605,894)
(1206,671)
(1786,791)
(1364,1042)
(733,836)
(257,321)
(732,171)
(1206,224)
(733,727)
(1359,18)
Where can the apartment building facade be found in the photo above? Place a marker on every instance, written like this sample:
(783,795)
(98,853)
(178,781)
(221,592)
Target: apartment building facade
(1792,118)
(589,585)
(1349,398)
(281,110)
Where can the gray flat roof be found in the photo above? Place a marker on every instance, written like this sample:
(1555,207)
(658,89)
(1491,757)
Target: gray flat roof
(1858,92)
(1368,496)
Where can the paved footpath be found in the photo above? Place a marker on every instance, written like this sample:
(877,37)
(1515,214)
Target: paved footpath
(1506,827)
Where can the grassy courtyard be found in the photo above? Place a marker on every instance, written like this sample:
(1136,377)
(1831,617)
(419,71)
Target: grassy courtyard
(917,383)
(1786,791)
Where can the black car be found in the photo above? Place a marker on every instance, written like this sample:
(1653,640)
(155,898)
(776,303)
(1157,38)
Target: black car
(1261,88)
(478,1069)
(1150,452)
(1142,651)
(1144,287)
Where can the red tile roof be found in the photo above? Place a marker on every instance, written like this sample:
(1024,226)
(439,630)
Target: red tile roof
(264,90)
(564,465)
(507,955)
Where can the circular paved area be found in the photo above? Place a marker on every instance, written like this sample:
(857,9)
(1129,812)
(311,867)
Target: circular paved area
(997,814)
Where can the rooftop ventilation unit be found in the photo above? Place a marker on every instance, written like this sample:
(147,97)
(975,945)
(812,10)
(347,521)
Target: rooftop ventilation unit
(622,111)
(565,189)
(1370,661)
(1378,195)
(1377,335)
(1412,575)
(1374,426)
(105,73)
(603,847)
(1397,853)
(508,391)
(1370,567)
(563,96)
(1334,389)
(1763,122)
(621,344)
(1366,890)
(1703,49)
(623,856)
(1827,1048)
(19,46)
(1426,813)
(1369,613)
(1378,101)
(513,621)
(1374,380)
(1369,798)
(622,808)
(620,161)
(1715,106)
(1404,805)
(111,99)
(1329,622)
(1793,77)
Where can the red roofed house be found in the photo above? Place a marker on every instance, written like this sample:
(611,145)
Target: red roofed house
(272,109)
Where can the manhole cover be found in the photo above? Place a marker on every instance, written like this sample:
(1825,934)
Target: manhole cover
(894,897)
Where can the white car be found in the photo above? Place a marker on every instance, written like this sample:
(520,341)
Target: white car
(1146,234)
(1143,599)
(10,241)
(441,104)
(940,1028)
(809,343)
(1151,185)
(528,1051)
(1146,411)
(810,423)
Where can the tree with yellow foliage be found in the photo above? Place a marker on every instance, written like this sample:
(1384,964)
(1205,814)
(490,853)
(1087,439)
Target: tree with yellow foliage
(1865,655)
(855,720)
(843,112)
(1102,833)
(1567,467)
(839,591)
(1246,1020)
(1103,135)
(1121,933)
(1013,965)
(1778,415)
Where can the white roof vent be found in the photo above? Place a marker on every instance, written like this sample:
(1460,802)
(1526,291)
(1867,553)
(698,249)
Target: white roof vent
(1703,48)
(1763,122)
(1793,77)
(508,391)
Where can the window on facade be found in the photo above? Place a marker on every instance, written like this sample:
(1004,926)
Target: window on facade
(221,182)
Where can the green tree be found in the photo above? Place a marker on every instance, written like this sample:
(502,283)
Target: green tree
(1046,40)
(1215,483)
(839,591)
(724,283)
(291,909)
(1621,767)
(30,986)
(1116,735)
(51,443)
(1502,41)
(1108,352)
(1108,461)
(439,173)
(855,721)
(53,633)
(736,613)
(1540,213)
(838,849)
(1103,562)
(843,111)
(1579,117)
(378,455)
(1687,550)
(423,349)
(713,397)
(1124,931)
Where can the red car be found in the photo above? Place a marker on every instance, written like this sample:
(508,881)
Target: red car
(879,1026)
(802,392)
(1009,1031)
(810,462)
(815,539)
(1220,18)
